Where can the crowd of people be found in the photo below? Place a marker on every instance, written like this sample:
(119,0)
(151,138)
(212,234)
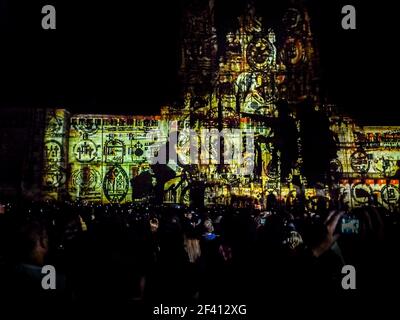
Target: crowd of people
(139,255)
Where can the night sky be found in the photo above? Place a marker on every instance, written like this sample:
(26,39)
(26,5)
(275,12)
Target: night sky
(115,58)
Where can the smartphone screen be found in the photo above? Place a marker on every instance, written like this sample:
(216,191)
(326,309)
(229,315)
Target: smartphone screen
(350,225)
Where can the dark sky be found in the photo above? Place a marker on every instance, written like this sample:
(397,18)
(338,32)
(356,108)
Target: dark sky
(114,58)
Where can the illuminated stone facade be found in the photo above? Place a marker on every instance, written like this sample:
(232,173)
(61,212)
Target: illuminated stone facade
(367,169)
(99,157)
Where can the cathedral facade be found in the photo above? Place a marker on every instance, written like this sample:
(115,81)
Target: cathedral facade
(246,89)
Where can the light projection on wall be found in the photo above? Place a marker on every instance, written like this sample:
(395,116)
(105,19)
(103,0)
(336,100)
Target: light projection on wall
(105,158)
(55,153)
(107,155)
(368,164)
(106,152)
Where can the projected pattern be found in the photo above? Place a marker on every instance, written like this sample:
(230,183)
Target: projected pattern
(239,91)
(367,169)
(106,155)
(55,154)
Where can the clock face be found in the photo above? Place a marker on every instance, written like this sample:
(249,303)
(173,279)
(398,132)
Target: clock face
(361,193)
(259,53)
(85,151)
(390,194)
